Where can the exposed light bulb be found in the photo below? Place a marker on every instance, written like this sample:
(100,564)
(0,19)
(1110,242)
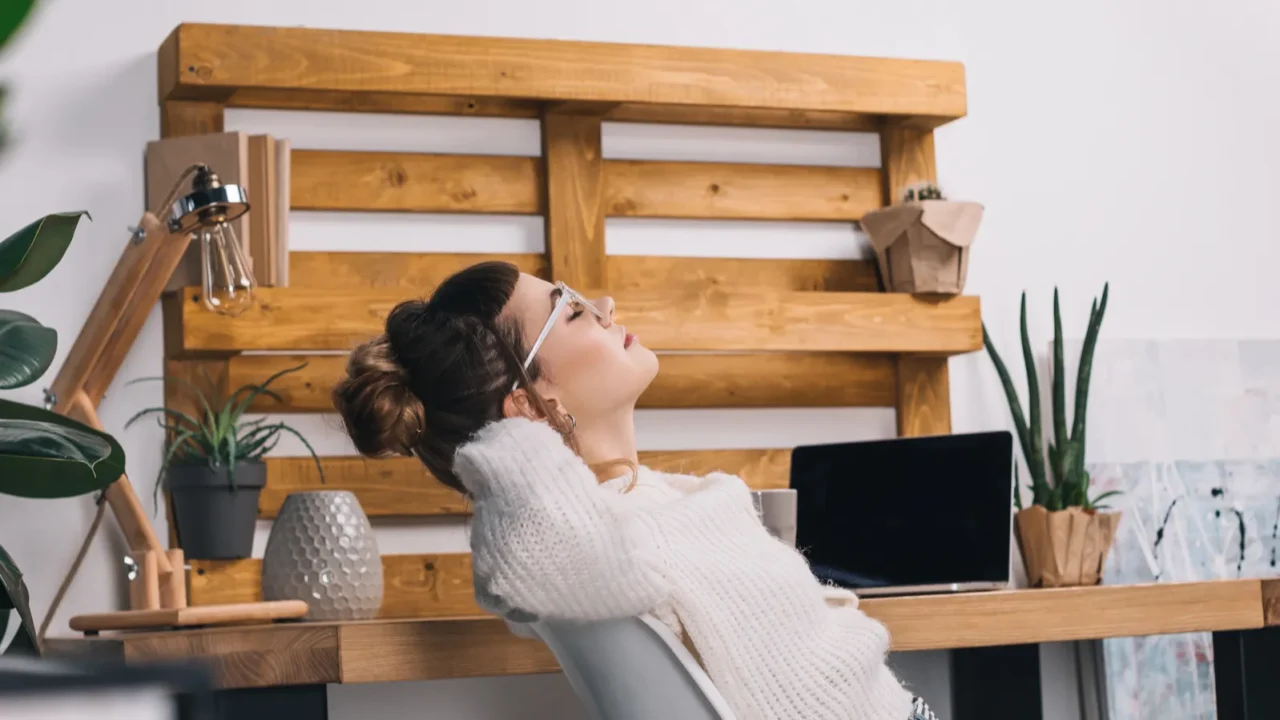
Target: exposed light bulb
(228,281)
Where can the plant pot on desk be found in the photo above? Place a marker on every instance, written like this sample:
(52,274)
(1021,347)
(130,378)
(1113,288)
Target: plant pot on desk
(216,508)
(1065,548)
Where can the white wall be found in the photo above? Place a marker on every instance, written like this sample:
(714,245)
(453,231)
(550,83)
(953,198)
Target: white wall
(1109,141)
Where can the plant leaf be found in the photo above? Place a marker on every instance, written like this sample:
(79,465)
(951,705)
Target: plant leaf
(13,596)
(26,349)
(29,254)
(12,15)
(1035,438)
(46,455)
(1058,461)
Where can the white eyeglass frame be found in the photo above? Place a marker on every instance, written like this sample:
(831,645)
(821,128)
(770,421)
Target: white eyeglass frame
(567,295)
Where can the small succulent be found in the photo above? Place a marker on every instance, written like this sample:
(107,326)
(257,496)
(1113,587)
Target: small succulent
(922,191)
(218,437)
(1064,482)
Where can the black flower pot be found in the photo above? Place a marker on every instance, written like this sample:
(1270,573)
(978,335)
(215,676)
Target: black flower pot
(215,519)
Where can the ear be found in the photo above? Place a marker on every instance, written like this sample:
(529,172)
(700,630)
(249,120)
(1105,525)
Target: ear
(519,404)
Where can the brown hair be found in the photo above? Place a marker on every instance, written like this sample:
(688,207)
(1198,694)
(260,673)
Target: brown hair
(440,372)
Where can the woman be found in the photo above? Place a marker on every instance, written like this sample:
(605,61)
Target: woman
(521,395)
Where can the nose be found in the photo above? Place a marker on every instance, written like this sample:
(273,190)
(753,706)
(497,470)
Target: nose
(605,305)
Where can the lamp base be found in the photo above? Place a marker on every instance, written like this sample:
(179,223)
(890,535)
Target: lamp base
(236,614)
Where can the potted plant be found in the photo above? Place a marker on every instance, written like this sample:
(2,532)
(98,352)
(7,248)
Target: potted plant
(42,454)
(922,243)
(1064,537)
(213,468)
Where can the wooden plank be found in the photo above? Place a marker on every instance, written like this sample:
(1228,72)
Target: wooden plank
(424,649)
(182,117)
(415,585)
(1271,602)
(403,651)
(575,198)
(713,319)
(683,381)
(399,103)
(1017,617)
(203,61)
(418,182)
(738,191)
(398,487)
(419,273)
(924,396)
(415,182)
(906,157)
(411,273)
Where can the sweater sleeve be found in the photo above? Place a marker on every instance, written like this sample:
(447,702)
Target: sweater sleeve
(546,538)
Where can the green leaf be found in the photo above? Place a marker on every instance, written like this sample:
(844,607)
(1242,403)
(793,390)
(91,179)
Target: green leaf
(13,596)
(29,254)
(46,455)
(12,15)
(1058,463)
(26,349)
(1035,438)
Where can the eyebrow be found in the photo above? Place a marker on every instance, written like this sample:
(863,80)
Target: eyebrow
(555,296)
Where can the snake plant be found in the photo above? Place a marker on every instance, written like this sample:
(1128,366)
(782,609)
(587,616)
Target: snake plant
(1058,477)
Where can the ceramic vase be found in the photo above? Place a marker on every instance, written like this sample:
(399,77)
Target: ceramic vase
(322,550)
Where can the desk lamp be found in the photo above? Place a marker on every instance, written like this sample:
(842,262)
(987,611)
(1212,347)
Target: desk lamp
(158,591)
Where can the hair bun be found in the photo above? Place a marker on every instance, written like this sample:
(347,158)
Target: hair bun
(379,409)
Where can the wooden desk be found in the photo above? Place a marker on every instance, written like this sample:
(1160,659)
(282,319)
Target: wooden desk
(1011,623)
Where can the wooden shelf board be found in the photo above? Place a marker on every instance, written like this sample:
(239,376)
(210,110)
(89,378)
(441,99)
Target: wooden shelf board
(404,650)
(331,69)
(696,319)
(402,487)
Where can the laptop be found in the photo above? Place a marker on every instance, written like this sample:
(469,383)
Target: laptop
(907,515)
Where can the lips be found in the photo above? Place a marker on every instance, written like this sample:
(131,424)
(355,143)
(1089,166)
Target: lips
(627,339)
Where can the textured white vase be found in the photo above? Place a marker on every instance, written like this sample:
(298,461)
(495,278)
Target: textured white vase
(321,550)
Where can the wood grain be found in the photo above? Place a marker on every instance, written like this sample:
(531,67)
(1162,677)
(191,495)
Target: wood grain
(248,657)
(924,396)
(714,319)
(683,381)
(737,191)
(414,182)
(1271,602)
(204,62)
(575,198)
(399,103)
(401,487)
(416,585)
(424,649)
(419,273)
(181,117)
(906,158)
(403,651)
(1064,614)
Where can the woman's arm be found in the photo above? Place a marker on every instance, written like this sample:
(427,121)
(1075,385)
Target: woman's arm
(546,538)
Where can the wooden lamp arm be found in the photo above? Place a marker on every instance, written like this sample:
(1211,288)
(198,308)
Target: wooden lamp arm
(134,288)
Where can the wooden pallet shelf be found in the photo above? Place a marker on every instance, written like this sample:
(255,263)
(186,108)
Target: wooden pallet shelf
(320,69)
(426,649)
(402,487)
(715,319)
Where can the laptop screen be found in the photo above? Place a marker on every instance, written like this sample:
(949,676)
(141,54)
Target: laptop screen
(907,511)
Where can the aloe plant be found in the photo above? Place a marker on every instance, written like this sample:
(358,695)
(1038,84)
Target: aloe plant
(1058,478)
(215,434)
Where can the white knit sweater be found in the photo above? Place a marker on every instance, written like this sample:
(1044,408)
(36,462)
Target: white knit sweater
(548,539)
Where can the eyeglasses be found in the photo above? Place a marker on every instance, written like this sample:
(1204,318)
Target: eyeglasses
(567,295)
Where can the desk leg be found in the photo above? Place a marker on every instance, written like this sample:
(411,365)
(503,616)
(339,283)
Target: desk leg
(289,702)
(1245,676)
(996,682)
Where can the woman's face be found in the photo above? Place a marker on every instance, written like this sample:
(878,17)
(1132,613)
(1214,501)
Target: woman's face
(591,366)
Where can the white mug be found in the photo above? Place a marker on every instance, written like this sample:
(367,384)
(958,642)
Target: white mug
(777,510)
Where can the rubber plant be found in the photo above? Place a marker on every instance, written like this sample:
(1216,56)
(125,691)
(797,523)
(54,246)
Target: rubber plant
(1059,479)
(42,454)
